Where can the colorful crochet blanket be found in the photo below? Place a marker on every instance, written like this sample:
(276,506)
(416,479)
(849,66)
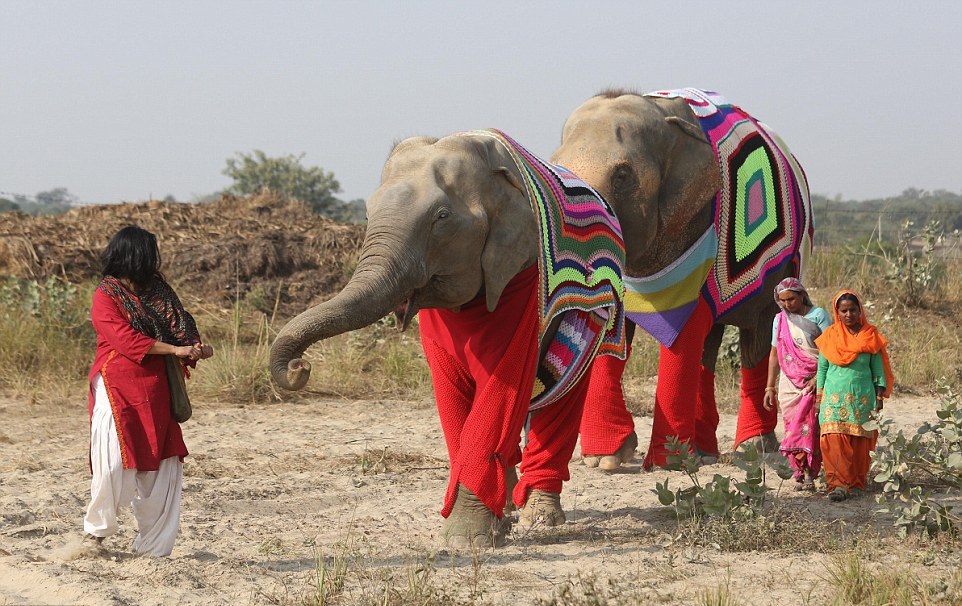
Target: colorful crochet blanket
(762,220)
(580,271)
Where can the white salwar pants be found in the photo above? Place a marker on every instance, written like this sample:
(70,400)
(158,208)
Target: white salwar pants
(153,495)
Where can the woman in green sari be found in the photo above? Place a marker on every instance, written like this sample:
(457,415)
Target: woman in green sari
(853,377)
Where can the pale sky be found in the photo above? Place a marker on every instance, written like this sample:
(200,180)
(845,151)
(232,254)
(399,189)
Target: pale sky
(121,101)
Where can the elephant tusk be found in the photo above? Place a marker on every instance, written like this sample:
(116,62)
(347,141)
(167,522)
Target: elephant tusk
(410,309)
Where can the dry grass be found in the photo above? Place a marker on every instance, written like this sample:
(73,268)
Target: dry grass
(47,348)
(782,530)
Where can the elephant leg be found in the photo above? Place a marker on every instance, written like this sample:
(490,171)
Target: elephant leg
(471,524)
(706,418)
(483,365)
(607,427)
(753,420)
(677,391)
(552,435)
(706,408)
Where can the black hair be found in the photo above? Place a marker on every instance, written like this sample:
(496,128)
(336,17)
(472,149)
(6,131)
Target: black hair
(848,297)
(132,254)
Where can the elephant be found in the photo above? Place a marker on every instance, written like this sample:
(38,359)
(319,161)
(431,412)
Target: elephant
(715,211)
(513,269)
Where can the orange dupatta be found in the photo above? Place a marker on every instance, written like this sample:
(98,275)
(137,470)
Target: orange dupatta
(841,347)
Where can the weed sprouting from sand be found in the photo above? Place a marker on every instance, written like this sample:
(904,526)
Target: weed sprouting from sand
(853,582)
(722,595)
(330,572)
(587,590)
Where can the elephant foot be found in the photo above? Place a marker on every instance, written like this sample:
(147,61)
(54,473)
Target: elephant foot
(612,462)
(623,455)
(511,480)
(472,525)
(542,507)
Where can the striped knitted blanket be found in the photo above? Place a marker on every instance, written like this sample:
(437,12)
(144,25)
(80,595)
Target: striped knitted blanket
(762,220)
(580,271)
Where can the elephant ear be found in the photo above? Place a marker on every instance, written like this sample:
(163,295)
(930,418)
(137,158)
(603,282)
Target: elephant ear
(692,130)
(511,245)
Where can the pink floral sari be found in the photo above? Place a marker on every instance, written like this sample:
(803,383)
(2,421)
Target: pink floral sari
(798,360)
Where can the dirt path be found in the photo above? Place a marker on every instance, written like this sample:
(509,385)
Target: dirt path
(268,487)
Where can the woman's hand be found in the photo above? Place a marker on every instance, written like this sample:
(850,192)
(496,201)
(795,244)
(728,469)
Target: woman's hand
(199,351)
(185,351)
(771,399)
(878,398)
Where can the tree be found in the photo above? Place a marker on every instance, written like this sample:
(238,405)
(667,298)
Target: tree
(56,198)
(8,205)
(287,176)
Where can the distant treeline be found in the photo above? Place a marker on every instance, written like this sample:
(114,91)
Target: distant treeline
(837,221)
(840,222)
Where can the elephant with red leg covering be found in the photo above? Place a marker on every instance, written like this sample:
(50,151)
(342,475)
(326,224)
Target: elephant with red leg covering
(715,211)
(514,270)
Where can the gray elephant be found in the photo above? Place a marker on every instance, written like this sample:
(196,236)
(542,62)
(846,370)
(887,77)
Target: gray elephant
(715,210)
(513,268)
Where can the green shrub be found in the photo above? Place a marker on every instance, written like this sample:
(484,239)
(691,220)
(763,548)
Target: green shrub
(721,497)
(911,469)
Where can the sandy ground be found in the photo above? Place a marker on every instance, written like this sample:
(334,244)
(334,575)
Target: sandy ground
(268,487)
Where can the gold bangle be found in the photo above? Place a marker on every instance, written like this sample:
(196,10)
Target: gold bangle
(772,389)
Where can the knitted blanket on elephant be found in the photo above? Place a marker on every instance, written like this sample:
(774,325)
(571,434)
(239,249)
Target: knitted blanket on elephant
(762,220)
(582,256)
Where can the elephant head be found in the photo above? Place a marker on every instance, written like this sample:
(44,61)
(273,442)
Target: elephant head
(449,221)
(652,163)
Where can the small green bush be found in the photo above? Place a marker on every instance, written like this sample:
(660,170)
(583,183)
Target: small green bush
(914,470)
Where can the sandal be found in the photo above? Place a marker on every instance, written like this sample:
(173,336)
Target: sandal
(837,495)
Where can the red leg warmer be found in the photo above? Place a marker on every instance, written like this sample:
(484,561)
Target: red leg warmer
(606,422)
(551,441)
(678,380)
(706,414)
(753,419)
(483,367)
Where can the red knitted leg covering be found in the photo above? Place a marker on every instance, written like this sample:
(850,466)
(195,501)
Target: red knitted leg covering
(753,419)
(453,393)
(489,358)
(706,413)
(677,391)
(551,441)
(606,421)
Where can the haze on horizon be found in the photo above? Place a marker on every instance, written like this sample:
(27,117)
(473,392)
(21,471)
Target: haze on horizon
(126,101)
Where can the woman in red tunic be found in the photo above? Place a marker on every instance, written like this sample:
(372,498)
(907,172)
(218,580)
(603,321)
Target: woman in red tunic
(136,448)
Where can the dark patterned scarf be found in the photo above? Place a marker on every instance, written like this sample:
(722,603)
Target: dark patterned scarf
(156,312)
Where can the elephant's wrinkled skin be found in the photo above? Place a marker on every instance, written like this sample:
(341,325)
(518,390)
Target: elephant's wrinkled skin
(649,158)
(449,221)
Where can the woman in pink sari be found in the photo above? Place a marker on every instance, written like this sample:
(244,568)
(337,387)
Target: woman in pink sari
(795,357)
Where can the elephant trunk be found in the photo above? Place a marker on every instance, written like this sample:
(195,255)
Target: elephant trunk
(373,292)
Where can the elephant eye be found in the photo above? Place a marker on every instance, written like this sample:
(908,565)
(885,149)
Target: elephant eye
(621,178)
(444,213)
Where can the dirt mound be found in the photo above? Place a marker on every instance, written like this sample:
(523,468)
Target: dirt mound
(260,247)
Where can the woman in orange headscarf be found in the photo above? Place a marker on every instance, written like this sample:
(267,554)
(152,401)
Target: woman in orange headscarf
(853,377)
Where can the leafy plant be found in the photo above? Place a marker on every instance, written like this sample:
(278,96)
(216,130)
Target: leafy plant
(913,270)
(721,497)
(910,469)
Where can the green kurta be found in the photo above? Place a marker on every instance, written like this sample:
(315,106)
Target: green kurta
(848,393)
